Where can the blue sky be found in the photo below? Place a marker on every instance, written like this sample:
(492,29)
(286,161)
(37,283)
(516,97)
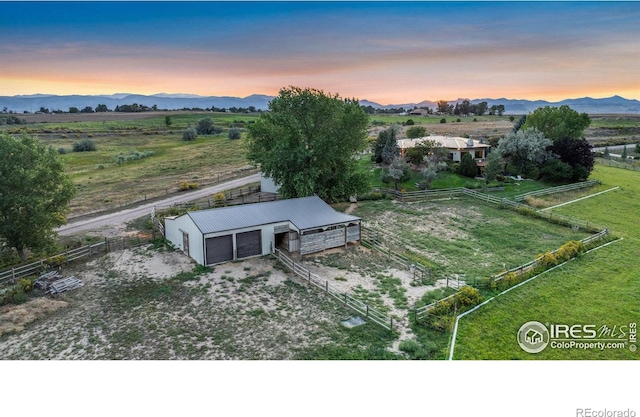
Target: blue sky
(381,51)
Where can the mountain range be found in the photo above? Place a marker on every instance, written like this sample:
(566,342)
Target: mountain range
(33,103)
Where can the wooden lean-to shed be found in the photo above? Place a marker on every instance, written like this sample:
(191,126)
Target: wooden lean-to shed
(305,225)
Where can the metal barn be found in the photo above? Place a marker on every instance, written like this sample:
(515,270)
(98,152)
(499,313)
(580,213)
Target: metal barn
(304,225)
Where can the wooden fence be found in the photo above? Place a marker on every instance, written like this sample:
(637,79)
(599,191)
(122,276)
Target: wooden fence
(371,238)
(203,181)
(568,221)
(244,195)
(619,163)
(422,194)
(11,275)
(360,307)
(529,266)
(558,189)
(422,313)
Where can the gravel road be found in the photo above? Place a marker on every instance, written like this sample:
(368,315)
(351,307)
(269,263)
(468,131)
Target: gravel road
(126,215)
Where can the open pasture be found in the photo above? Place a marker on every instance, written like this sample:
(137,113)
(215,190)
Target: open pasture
(600,288)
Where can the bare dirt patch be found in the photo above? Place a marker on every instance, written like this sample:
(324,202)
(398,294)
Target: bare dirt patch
(150,304)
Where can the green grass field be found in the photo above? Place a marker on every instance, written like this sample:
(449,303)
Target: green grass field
(600,288)
(102,183)
(462,237)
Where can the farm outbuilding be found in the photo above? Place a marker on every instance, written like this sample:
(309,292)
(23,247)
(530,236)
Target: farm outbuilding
(304,225)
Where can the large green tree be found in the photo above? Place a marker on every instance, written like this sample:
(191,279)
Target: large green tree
(557,123)
(34,193)
(308,142)
(525,149)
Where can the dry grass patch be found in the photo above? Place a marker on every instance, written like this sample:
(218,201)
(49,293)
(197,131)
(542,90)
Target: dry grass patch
(14,318)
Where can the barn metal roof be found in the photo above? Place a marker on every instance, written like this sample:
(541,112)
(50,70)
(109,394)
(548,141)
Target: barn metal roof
(304,213)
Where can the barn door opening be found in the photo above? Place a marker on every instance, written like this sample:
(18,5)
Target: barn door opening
(185,242)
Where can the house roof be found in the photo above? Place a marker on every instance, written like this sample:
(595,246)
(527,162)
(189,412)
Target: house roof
(449,142)
(304,213)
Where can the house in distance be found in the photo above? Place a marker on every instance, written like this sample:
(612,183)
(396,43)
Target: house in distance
(304,225)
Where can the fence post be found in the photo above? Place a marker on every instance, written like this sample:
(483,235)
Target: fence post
(367,310)
(326,286)
(309,275)
(13,274)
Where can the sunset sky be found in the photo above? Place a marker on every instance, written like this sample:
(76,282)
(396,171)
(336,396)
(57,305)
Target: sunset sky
(385,52)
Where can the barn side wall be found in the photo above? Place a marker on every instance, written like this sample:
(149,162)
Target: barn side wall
(317,242)
(173,230)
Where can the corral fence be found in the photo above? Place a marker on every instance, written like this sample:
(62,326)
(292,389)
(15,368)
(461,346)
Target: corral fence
(422,313)
(568,221)
(530,266)
(93,250)
(558,189)
(203,181)
(422,194)
(244,195)
(360,307)
(372,239)
(619,163)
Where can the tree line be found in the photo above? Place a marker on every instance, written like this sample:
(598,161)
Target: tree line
(135,108)
(443,107)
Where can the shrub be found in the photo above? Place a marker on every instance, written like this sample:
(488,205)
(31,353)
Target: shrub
(555,170)
(467,166)
(570,250)
(206,127)
(219,198)
(547,260)
(189,134)
(234,133)
(409,346)
(134,155)
(371,196)
(25,284)
(188,186)
(443,120)
(84,145)
(467,297)
(62,150)
(409,122)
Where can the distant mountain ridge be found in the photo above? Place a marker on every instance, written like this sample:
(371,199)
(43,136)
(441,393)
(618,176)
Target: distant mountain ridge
(176,101)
